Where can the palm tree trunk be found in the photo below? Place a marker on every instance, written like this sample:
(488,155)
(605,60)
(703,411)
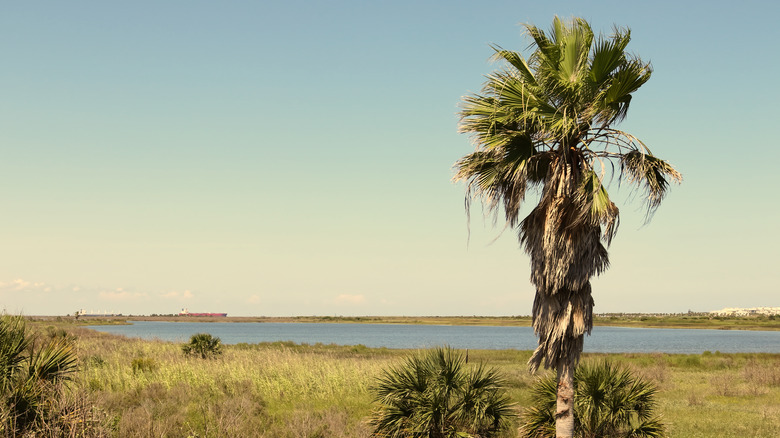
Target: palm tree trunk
(564,413)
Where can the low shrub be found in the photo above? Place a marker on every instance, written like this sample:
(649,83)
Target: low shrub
(610,402)
(33,373)
(203,345)
(432,394)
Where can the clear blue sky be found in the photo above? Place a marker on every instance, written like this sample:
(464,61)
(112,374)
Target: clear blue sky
(295,158)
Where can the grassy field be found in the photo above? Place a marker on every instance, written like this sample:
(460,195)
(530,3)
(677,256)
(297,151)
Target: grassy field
(696,321)
(129,388)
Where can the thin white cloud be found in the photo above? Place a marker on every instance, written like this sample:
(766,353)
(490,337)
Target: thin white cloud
(21,285)
(351,299)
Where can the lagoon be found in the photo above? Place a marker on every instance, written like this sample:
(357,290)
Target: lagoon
(411,336)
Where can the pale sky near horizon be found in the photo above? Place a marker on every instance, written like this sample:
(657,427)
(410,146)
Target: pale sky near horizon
(295,158)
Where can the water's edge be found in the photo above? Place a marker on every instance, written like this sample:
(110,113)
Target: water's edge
(604,339)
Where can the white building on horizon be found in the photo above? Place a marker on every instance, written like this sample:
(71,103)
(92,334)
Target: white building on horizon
(748,311)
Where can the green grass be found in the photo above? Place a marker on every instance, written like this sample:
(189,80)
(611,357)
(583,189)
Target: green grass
(142,388)
(693,321)
(129,387)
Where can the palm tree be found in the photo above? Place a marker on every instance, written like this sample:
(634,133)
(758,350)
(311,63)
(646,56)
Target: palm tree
(432,395)
(546,124)
(611,403)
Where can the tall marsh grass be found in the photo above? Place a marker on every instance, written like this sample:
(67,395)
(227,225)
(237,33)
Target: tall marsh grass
(132,388)
(152,388)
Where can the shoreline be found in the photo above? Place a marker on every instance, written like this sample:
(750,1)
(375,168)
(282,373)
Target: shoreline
(762,323)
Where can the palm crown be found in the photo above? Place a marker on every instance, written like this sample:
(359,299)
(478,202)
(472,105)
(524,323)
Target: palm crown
(545,123)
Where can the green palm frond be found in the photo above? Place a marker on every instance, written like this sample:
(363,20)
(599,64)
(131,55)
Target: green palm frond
(616,97)
(610,402)
(54,362)
(14,342)
(433,394)
(32,376)
(608,55)
(545,51)
(650,428)
(517,61)
(575,42)
(484,406)
(203,345)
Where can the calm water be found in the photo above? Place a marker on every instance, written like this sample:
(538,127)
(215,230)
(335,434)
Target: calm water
(602,340)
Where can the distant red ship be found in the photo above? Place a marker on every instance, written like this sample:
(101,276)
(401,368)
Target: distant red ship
(184,312)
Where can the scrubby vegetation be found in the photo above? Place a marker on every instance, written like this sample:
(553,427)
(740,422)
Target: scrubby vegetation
(610,402)
(33,371)
(203,345)
(128,388)
(435,394)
